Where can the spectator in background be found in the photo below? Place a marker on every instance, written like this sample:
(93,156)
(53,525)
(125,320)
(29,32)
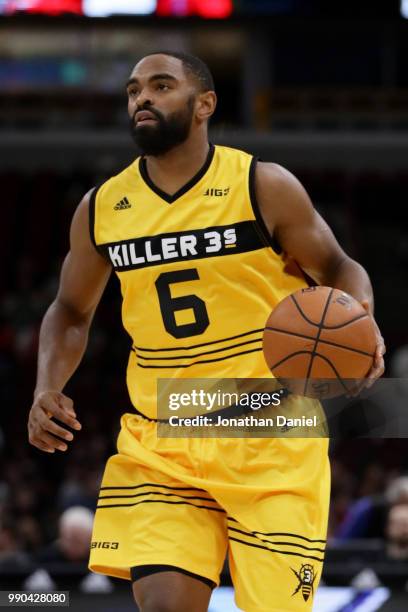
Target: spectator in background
(11,555)
(64,563)
(367,517)
(397,532)
(70,548)
(74,538)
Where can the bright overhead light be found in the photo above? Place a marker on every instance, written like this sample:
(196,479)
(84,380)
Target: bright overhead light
(104,8)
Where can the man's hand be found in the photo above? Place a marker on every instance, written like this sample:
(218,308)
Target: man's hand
(43,431)
(377,369)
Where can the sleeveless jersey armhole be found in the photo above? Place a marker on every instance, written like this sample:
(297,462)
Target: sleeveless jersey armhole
(91,212)
(92,217)
(269,240)
(94,214)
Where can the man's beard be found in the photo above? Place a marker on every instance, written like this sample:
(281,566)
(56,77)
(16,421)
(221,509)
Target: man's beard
(167,133)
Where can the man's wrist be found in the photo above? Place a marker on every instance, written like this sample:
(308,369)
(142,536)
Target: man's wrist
(45,389)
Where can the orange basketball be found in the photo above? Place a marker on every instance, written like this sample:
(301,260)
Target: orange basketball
(318,340)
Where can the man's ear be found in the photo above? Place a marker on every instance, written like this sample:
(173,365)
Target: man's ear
(205,105)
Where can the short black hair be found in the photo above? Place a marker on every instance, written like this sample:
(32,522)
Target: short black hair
(194,66)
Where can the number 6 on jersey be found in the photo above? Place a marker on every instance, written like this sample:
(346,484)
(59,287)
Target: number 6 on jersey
(170,305)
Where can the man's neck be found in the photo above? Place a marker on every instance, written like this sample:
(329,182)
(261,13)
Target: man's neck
(170,172)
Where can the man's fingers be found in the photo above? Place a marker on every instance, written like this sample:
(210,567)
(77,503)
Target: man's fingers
(53,443)
(375,373)
(356,389)
(43,447)
(52,427)
(378,366)
(39,440)
(67,404)
(44,432)
(380,349)
(58,409)
(366,382)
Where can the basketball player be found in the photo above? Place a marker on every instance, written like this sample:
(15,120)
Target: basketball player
(201,237)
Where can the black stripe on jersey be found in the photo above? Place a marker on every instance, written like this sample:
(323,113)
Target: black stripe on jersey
(277,533)
(258,539)
(202,243)
(161,501)
(151,484)
(188,365)
(194,497)
(268,240)
(274,550)
(219,350)
(193,346)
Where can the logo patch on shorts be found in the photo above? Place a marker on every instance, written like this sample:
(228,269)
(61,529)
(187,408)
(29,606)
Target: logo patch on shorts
(306,576)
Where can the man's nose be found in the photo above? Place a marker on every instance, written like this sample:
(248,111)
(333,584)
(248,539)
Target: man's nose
(143,99)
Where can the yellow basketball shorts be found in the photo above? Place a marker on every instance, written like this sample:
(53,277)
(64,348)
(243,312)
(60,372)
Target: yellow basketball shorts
(189,502)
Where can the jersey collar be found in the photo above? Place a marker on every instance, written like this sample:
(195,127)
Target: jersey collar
(189,185)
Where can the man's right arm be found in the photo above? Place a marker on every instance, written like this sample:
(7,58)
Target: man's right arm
(64,335)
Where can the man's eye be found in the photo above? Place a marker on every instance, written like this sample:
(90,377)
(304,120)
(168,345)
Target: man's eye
(163,86)
(132,93)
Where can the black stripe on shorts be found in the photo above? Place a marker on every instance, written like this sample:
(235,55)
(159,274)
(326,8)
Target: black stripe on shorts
(277,533)
(275,543)
(174,492)
(274,550)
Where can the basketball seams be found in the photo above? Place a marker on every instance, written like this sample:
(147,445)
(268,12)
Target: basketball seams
(302,314)
(297,353)
(321,323)
(329,342)
(341,325)
(339,378)
(357,318)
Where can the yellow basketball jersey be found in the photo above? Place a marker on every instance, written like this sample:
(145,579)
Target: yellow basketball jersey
(199,275)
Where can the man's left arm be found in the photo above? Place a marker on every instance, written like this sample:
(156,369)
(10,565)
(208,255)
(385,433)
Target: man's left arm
(303,234)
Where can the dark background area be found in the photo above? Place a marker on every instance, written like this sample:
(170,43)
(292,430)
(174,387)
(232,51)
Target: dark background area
(324,94)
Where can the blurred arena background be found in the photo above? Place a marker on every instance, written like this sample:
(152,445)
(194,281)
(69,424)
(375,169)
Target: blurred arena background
(319,87)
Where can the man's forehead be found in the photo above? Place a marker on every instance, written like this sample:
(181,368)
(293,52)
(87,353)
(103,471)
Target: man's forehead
(158,64)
